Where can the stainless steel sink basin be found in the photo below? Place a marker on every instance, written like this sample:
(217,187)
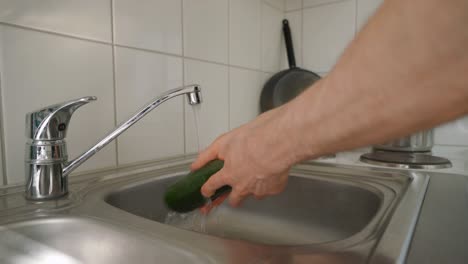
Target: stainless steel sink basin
(81,240)
(312,210)
(327,214)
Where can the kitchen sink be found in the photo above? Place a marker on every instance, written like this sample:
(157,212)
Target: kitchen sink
(327,214)
(81,240)
(312,209)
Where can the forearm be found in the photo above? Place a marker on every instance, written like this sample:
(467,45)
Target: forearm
(406,71)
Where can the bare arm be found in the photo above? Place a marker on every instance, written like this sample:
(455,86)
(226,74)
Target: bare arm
(407,70)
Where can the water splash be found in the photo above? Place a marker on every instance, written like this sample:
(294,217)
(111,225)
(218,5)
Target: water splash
(194,221)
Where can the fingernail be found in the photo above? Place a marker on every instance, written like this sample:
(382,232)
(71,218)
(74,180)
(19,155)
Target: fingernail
(205,195)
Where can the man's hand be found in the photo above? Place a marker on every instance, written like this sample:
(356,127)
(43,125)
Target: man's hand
(256,157)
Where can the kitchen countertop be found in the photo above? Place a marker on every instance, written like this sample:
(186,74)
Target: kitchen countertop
(457,155)
(441,234)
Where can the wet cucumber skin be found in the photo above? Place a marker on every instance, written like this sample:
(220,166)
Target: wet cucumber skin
(184,195)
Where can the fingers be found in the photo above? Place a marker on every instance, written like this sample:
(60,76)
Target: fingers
(215,182)
(259,197)
(209,154)
(219,200)
(207,208)
(204,157)
(236,198)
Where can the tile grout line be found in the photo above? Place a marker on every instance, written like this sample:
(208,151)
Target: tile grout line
(2,130)
(2,133)
(114,82)
(131,47)
(184,133)
(191,58)
(356,10)
(229,62)
(273,6)
(293,10)
(281,37)
(262,9)
(56,33)
(324,4)
(226,64)
(301,40)
(302,34)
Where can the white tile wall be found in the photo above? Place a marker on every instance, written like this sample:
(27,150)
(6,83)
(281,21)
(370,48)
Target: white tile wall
(365,9)
(43,69)
(1,108)
(271,38)
(150,24)
(1,164)
(244,93)
(312,3)
(279,4)
(293,5)
(141,76)
(206,29)
(454,133)
(230,47)
(84,18)
(214,112)
(125,59)
(327,31)
(245,33)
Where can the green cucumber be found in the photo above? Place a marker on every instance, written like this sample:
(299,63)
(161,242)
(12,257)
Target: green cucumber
(184,195)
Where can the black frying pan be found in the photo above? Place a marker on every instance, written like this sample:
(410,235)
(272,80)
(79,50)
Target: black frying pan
(286,84)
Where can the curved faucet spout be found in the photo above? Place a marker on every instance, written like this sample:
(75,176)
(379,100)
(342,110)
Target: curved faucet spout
(193,93)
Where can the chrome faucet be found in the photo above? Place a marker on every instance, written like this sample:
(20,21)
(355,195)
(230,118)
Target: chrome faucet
(47,166)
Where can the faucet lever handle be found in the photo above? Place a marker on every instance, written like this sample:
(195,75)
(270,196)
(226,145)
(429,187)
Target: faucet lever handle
(51,122)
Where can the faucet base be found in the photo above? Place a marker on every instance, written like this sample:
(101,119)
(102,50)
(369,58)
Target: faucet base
(45,181)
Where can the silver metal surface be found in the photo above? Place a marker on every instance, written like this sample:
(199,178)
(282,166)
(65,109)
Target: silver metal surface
(46,154)
(85,241)
(311,210)
(441,234)
(47,181)
(405,160)
(51,122)
(418,142)
(394,244)
(187,90)
(328,214)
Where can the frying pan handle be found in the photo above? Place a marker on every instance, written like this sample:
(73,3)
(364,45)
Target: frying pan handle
(289,45)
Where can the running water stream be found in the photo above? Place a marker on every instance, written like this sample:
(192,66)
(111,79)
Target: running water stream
(195,220)
(196,109)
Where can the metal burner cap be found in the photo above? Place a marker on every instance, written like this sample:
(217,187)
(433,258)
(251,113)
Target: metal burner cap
(406,160)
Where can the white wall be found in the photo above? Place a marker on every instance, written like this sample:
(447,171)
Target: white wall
(125,53)
(323,28)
